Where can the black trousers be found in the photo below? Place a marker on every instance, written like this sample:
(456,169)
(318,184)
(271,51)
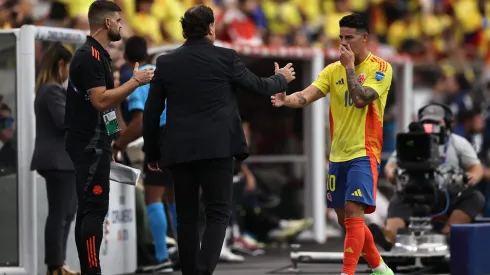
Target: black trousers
(215,178)
(62,205)
(92,169)
(471,201)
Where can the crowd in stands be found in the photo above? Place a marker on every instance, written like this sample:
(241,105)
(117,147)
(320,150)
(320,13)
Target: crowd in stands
(427,30)
(452,36)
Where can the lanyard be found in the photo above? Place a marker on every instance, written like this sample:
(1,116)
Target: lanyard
(85,95)
(444,153)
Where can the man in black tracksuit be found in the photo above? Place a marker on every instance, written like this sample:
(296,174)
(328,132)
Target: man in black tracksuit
(91,122)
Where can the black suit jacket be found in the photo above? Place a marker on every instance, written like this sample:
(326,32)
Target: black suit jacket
(49,149)
(199,82)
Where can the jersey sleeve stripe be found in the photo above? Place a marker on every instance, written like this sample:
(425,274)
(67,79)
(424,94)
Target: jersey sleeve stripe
(375,60)
(383,65)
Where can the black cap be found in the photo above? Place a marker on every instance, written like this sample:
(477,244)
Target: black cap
(433,113)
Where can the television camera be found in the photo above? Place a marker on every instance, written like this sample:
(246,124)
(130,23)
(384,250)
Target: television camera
(424,182)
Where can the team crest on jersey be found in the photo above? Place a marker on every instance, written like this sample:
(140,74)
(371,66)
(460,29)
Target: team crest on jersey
(329,197)
(361,78)
(379,76)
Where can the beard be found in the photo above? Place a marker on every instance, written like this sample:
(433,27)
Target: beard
(114,35)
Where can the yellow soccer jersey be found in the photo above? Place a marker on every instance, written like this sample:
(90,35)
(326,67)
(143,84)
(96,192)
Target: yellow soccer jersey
(356,132)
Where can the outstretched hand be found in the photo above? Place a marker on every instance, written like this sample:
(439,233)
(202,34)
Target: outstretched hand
(287,71)
(279,99)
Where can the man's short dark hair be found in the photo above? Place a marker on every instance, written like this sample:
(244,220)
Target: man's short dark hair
(136,49)
(99,10)
(196,21)
(354,21)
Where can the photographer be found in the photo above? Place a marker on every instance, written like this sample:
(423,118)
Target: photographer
(455,151)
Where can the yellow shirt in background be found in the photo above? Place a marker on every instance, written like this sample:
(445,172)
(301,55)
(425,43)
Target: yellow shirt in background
(332,28)
(170,12)
(146,25)
(359,5)
(77,7)
(435,24)
(191,3)
(484,47)
(167,11)
(310,8)
(399,31)
(282,18)
(467,13)
(328,6)
(378,20)
(129,8)
(362,5)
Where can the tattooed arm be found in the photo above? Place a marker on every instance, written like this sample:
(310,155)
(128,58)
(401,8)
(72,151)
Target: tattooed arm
(361,95)
(303,98)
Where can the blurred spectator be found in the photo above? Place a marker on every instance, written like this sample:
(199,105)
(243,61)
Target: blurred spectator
(332,29)
(470,20)
(164,13)
(260,18)
(461,100)
(408,27)
(80,23)
(469,124)
(444,87)
(8,14)
(77,7)
(375,45)
(301,39)
(169,13)
(277,40)
(283,17)
(58,16)
(116,50)
(237,24)
(8,146)
(145,24)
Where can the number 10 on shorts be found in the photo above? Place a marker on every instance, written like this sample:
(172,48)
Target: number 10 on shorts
(331,183)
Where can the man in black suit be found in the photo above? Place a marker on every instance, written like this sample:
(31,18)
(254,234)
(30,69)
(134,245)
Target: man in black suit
(203,133)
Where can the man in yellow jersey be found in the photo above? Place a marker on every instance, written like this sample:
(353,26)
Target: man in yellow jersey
(358,85)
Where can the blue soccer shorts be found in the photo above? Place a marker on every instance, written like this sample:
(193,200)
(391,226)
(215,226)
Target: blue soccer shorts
(354,180)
